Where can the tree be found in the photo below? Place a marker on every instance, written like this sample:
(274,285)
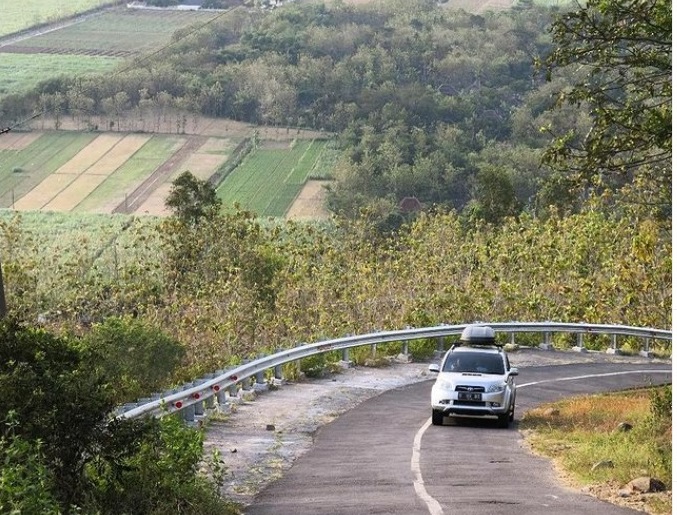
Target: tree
(192,199)
(62,453)
(622,53)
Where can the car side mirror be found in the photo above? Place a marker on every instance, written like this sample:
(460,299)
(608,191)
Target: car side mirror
(514,372)
(434,367)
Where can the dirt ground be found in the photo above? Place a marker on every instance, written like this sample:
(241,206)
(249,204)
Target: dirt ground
(309,205)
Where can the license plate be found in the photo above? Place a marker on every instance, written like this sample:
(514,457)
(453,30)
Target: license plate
(466,396)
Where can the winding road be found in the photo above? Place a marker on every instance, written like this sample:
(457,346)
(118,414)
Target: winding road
(384,457)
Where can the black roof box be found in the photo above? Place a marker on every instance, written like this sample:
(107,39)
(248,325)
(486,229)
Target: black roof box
(478,334)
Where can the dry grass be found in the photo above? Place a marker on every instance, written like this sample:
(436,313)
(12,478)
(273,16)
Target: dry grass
(582,432)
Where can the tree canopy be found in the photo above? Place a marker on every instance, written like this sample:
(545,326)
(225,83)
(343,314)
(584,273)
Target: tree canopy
(619,53)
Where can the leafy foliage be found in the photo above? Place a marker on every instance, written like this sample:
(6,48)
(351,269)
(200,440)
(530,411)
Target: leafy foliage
(61,452)
(192,199)
(622,53)
(135,357)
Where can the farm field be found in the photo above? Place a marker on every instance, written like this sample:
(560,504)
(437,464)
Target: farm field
(18,16)
(94,45)
(113,32)
(271,177)
(21,72)
(94,172)
(118,172)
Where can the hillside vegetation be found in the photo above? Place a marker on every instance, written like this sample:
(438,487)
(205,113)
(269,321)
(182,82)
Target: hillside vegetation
(426,102)
(234,286)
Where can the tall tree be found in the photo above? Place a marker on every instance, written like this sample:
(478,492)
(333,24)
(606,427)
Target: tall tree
(622,53)
(192,199)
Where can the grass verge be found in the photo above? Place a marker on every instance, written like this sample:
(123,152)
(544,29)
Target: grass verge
(580,434)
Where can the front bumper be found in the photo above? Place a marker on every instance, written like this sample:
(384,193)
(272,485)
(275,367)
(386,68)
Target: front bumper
(490,404)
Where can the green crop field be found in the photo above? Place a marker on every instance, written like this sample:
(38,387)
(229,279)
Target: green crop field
(268,180)
(20,72)
(95,45)
(21,15)
(118,31)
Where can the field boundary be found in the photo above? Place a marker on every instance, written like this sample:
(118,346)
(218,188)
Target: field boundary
(143,192)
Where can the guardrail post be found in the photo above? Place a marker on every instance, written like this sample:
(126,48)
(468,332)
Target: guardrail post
(404,354)
(547,341)
(646,352)
(188,413)
(260,384)
(221,397)
(614,346)
(234,394)
(440,349)
(580,344)
(512,338)
(198,407)
(345,358)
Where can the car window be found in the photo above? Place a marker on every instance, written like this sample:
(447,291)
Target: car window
(474,363)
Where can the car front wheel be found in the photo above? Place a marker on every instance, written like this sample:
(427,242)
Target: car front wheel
(438,418)
(504,420)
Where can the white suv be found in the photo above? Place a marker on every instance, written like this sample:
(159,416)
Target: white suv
(475,380)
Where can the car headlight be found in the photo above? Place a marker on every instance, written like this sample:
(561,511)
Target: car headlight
(445,385)
(496,387)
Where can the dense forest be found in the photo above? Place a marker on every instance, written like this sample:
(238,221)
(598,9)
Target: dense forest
(427,102)
(570,223)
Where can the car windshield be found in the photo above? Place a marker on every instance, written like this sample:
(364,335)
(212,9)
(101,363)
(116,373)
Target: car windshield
(474,363)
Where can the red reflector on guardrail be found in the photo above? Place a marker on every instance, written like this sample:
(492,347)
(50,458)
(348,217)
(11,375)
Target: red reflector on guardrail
(233,378)
(216,387)
(196,395)
(178,404)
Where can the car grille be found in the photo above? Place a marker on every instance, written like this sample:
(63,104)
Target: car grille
(468,388)
(476,404)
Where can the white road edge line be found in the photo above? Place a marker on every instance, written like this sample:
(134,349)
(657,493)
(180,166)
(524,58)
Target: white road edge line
(434,507)
(587,376)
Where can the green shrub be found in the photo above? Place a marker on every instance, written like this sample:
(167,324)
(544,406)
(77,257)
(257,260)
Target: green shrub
(26,483)
(136,357)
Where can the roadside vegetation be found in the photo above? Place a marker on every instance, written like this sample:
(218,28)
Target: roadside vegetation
(603,442)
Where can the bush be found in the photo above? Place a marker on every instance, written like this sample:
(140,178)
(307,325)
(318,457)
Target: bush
(62,453)
(26,484)
(135,356)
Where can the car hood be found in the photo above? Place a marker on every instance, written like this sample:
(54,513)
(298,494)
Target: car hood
(470,377)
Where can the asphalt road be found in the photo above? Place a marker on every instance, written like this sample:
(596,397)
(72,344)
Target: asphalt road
(384,457)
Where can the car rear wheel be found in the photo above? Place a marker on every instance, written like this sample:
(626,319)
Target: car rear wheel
(438,418)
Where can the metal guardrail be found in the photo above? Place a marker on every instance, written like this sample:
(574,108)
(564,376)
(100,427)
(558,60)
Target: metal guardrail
(193,398)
